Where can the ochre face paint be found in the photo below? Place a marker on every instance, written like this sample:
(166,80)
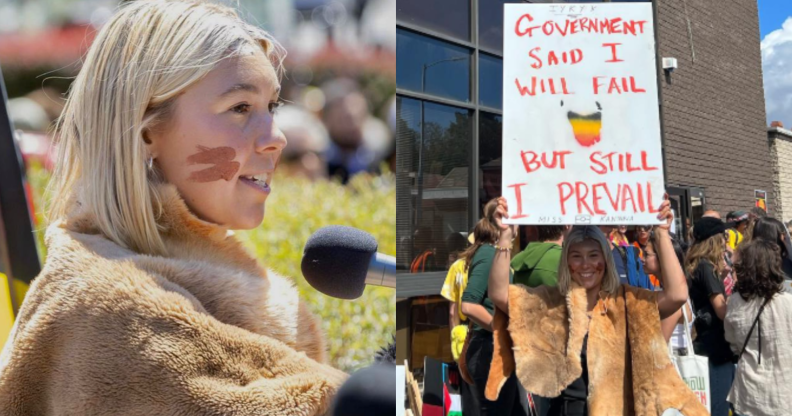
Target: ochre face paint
(221,157)
(586,127)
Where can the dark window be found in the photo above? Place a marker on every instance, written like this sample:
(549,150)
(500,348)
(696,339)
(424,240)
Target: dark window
(490,153)
(435,67)
(450,17)
(491,23)
(429,330)
(408,140)
(490,81)
(432,183)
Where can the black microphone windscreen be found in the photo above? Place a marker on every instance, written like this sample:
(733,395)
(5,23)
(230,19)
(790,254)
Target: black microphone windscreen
(336,260)
(370,391)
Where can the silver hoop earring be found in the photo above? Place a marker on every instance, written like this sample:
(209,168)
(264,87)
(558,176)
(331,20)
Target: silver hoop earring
(150,162)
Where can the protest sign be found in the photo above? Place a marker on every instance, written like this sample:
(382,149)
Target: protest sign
(401,382)
(761,199)
(581,123)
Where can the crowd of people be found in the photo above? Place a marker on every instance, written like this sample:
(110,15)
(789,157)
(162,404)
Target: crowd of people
(570,325)
(331,130)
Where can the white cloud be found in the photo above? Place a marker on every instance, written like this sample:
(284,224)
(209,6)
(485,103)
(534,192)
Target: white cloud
(777,69)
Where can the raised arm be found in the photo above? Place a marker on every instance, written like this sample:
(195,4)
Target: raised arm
(499,274)
(675,291)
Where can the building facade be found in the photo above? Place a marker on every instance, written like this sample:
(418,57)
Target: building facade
(781,153)
(449,93)
(713,111)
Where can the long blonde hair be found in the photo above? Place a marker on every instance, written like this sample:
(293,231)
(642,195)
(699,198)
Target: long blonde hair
(711,250)
(149,53)
(578,234)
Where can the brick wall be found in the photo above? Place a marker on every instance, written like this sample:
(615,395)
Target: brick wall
(781,153)
(713,109)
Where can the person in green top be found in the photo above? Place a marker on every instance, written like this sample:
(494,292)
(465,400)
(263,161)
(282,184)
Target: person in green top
(538,264)
(475,296)
(478,307)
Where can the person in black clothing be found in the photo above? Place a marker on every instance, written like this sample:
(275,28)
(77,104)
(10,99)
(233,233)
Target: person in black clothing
(703,267)
(477,306)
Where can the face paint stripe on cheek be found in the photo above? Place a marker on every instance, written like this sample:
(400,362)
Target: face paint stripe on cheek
(221,157)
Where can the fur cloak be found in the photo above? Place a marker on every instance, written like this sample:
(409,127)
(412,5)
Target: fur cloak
(630,372)
(104,330)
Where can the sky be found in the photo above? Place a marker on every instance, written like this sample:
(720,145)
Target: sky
(775,28)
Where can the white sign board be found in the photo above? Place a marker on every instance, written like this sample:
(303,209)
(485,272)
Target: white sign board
(581,124)
(401,383)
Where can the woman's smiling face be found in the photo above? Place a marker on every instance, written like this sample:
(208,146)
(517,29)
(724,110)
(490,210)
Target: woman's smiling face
(586,264)
(221,145)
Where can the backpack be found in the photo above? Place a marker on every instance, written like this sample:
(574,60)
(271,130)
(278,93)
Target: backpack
(630,268)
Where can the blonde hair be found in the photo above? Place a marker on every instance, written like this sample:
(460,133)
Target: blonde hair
(711,250)
(148,54)
(579,234)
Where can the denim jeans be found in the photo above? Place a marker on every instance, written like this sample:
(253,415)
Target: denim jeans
(721,379)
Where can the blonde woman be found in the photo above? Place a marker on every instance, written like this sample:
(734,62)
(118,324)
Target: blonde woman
(591,344)
(146,305)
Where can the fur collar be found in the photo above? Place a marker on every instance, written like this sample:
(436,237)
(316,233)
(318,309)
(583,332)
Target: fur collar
(213,266)
(205,329)
(628,364)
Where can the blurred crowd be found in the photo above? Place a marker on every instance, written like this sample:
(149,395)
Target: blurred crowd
(344,138)
(339,86)
(337,138)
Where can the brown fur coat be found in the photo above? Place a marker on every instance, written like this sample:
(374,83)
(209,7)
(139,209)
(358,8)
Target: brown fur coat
(630,372)
(204,331)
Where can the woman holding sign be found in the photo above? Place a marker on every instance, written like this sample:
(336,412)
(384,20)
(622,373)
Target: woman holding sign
(591,344)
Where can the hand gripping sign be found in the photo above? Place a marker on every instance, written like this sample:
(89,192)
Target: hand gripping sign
(581,124)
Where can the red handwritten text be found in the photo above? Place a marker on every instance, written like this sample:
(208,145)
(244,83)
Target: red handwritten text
(610,26)
(531,160)
(544,85)
(553,58)
(636,198)
(518,196)
(613,46)
(618,162)
(617,85)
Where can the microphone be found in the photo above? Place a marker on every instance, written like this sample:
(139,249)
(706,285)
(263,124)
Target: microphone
(370,391)
(340,261)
